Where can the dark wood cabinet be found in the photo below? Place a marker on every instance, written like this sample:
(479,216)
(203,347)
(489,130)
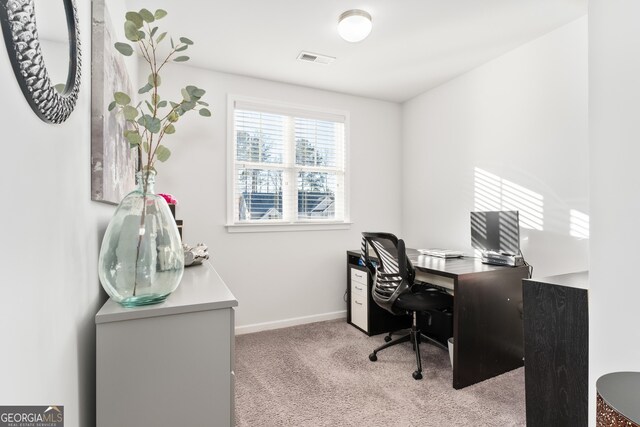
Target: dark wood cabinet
(556,349)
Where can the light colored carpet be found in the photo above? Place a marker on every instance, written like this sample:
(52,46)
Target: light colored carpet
(320,375)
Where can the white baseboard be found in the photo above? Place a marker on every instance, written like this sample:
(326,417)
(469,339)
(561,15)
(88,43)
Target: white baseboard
(285,323)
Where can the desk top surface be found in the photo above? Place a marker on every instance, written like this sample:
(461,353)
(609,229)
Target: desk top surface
(201,288)
(451,267)
(579,280)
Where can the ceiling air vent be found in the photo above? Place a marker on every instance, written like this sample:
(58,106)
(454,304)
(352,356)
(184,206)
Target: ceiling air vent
(314,57)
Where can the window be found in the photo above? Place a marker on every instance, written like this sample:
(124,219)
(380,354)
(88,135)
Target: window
(287,164)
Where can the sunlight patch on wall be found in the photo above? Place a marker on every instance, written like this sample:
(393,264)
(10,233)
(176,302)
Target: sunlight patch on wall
(492,193)
(578,224)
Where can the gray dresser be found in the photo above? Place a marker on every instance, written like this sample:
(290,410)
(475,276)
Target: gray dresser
(169,364)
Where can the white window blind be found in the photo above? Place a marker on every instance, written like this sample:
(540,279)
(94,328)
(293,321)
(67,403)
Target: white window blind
(288,165)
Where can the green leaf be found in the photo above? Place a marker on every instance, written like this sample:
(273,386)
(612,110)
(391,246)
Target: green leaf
(112,105)
(173,104)
(189,105)
(153,31)
(154,79)
(121,98)
(134,138)
(161,37)
(60,87)
(162,104)
(141,35)
(181,59)
(173,117)
(145,145)
(149,106)
(170,129)
(162,153)
(195,91)
(144,89)
(185,95)
(185,40)
(160,13)
(146,15)
(203,103)
(131,31)
(173,45)
(130,113)
(204,112)
(135,18)
(152,124)
(155,98)
(124,48)
(181,48)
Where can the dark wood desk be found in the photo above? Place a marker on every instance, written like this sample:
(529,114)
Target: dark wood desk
(487,318)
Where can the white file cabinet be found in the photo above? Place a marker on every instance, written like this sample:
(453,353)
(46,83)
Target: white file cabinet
(169,364)
(362,311)
(359,299)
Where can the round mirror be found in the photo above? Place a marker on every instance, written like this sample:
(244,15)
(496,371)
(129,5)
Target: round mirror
(51,20)
(49,83)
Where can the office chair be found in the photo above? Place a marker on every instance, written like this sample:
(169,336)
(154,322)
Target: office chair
(395,291)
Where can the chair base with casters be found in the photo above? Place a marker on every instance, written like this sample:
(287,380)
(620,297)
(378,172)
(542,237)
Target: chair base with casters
(416,338)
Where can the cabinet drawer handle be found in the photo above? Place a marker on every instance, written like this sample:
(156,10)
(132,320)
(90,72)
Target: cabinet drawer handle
(358,288)
(359,303)
(359,276)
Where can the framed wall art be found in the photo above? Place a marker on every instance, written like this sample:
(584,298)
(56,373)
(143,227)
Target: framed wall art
(113,162)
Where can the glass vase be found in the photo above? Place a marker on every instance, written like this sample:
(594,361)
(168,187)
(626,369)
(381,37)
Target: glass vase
(141,259)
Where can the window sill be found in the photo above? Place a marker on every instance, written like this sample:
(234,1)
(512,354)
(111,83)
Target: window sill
(298,226)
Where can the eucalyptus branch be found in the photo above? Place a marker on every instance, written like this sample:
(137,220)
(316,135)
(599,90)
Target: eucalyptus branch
(173,110)
(173,51)
(157,145)
(153,48)
(150,128)
(144,51)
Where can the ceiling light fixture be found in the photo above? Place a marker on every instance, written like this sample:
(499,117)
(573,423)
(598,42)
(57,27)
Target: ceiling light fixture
(354,25)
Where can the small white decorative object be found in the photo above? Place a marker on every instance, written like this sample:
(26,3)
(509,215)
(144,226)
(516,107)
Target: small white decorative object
(195,255)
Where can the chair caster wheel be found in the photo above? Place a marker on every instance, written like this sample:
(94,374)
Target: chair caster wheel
(373,357)
(417,375)
(387,338)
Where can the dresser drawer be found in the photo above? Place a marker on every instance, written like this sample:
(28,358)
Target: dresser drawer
(359,276)
(358,290)
(359,311)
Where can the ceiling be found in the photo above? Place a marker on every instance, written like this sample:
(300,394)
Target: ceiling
(414,46)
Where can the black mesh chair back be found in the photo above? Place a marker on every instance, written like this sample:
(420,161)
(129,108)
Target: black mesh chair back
(393,272)
(393,289)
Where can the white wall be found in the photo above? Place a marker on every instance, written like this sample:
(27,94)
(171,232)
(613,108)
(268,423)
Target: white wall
(614,132)
(48,257)
(278,275)
(521,118)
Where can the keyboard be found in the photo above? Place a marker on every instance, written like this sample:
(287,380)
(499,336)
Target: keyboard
(441,253)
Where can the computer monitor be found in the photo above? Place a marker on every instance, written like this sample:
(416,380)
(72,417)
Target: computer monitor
(496,231)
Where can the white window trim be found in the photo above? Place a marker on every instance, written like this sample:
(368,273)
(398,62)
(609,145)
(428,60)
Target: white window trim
(305,225)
